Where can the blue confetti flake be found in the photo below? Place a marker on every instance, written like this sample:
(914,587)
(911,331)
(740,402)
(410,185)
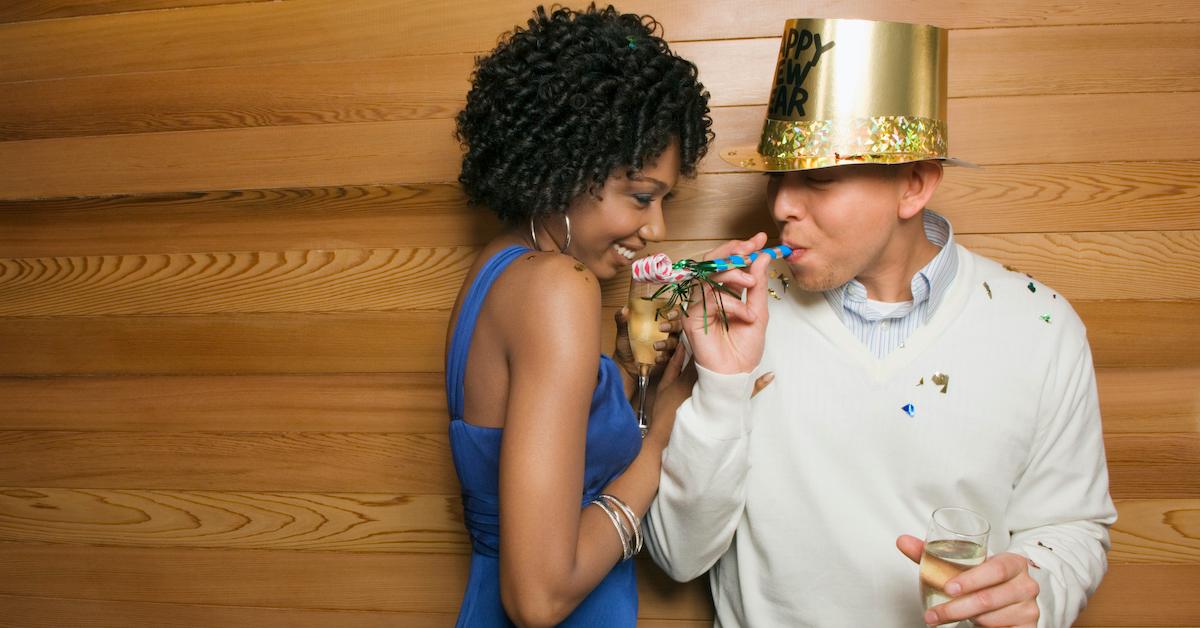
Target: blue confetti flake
(910,409)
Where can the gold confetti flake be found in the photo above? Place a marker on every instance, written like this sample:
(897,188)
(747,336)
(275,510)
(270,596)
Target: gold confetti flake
(943,380)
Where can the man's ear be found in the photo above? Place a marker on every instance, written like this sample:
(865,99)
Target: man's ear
(918,181)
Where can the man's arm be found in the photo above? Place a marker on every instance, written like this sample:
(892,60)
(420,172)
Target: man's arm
(1059,515)
(1061,509)
(702,492)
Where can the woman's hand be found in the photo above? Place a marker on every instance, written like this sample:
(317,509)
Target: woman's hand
(734,345)
(672,390)
(623,353)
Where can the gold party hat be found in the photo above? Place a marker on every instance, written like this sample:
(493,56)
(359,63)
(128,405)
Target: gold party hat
(850,92)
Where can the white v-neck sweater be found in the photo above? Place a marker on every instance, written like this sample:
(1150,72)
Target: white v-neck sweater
(795,498)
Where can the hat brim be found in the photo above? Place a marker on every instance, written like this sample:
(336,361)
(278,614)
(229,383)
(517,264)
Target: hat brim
(748,158)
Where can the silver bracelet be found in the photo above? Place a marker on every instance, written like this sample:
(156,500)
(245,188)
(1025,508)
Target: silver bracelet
(626,542)
(635,525)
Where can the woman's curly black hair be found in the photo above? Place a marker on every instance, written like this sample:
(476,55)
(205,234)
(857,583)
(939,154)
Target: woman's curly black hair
(560,104)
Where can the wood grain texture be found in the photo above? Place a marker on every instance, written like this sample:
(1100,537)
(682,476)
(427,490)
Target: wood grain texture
(246,220)
(1149,400)
(1132,400)
(1152,531)
(990,131)
(1032,198)
(411,403)
(290,281)
(329,522)
(424,583)
(406,88)
(1156,532)
(433,583)
(56,612)
(1141,466)
(25,10)
(1153,466)
(1122,334)
(364,153)
(283,31)
(408,464)
(1142,333)
(364,342)
(1081,266)
(989,62)
(1141,595)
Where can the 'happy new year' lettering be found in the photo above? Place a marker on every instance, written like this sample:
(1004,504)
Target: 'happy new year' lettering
(791,73)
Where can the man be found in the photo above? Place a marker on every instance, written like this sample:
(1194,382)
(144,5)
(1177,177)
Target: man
(909,374)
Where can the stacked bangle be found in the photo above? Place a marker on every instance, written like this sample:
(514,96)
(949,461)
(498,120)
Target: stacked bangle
(625,522)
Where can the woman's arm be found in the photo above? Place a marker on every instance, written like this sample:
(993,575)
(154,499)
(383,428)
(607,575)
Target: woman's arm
(552,553)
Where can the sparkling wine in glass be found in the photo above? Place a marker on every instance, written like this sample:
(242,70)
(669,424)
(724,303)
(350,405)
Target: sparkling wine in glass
(646,314)
(956,541)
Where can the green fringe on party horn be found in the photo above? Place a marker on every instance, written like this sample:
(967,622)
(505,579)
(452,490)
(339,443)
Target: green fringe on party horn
(681,292)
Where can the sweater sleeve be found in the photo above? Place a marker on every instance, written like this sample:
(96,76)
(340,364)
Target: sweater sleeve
(1061,510)
(702,492)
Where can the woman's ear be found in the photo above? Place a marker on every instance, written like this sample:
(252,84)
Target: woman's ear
(918,181)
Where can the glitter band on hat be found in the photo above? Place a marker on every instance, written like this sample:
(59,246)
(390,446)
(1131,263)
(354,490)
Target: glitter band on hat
(853,91)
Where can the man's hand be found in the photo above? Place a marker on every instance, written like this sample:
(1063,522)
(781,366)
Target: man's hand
(999,592)
(736,344)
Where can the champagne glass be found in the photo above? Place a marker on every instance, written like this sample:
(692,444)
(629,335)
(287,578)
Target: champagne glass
(646,313)
(956,541)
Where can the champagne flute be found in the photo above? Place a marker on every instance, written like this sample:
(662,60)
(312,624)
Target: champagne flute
(956,541)
(646,313)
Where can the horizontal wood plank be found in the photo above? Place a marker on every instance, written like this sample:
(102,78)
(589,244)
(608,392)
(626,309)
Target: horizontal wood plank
(433,214)
(1033,198)
(424,583)
(25,10)
(271,461)
(363,342)
(412,403)
(1149,400)
(1111,58)
(433,583)
(990,131)
(1081,266)
(327,522)
(1152,531)
(1145,595)
(1132,400)
(294,156)
(1122,334)
(1142,333)
(1165,531)
(290,281)
(56,612)
(378,90)
(1141,466)
(282,31)
(1153,466)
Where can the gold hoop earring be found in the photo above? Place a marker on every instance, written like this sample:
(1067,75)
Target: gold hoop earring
(533,235)
(566,242)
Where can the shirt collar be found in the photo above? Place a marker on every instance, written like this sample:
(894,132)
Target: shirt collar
(930,283)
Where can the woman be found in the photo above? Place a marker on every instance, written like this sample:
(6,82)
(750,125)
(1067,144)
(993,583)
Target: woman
(575,129)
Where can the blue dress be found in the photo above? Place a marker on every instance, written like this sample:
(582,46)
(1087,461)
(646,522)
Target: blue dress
(613,441)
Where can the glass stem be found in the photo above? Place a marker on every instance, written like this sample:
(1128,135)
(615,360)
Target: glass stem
(643,382)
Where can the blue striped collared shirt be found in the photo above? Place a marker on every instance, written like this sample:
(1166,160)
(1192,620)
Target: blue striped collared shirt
(884,331)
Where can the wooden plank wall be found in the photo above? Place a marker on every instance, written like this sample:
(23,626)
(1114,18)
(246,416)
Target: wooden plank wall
(229,238)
